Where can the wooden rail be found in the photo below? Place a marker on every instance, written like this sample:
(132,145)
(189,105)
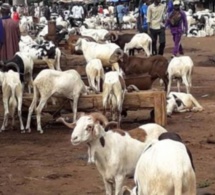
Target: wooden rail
(133,101)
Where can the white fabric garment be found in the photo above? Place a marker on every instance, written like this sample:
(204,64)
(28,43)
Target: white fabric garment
(77,11)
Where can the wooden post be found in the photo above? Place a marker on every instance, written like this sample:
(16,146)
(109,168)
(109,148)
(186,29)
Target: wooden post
(51,31)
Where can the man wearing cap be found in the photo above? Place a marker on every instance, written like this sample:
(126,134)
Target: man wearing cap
(177,22)
(156,28)
(11,34)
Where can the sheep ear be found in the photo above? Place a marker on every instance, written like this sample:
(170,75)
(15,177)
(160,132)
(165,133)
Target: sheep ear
(126,190)
(175,96)
(179,102)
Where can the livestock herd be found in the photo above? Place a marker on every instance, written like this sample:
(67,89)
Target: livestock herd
(159,167)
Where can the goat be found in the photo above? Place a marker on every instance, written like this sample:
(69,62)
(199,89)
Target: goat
(111,151)
(140,41)
(182,102)
(155,66)
(12,96)
(109,53)
(95,73)
(113,93)
(164,168)
(53,83)
(180,68)
(25,63)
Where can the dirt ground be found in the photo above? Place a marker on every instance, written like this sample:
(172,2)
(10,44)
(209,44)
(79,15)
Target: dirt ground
(48,164)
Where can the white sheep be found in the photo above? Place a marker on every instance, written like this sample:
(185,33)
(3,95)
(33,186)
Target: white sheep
(12,97)
(53,83)
(180,68)
(114,89)
(95,73)
(164,168)
(109,53)
(115,152)
(140,41)
(96,34)
(182,102)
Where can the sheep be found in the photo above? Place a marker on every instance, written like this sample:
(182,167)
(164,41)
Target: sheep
(109,53)
(164,168)
(155,66)
(96,34)
(46,51)
(182,102)
(121,40)
(53,83)
(114,152)
(114,89)
(176,137)
(12,96)
(25,63)
(140,41)
(180,68)
(72,40)
(95,73)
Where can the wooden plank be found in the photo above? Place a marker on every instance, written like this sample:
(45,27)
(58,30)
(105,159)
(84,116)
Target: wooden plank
(93,102)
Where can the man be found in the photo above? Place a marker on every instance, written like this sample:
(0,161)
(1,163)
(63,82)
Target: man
(11,34)
(143,16)
(177,21)
(120,13)
(78,12)
(155,20)
(47,13)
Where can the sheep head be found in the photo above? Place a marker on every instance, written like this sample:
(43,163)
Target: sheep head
(88,128)
(116,56)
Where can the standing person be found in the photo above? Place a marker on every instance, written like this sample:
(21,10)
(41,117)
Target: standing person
(120,13)
(78,12)
(143,16)
(177,21)
(170,6)
(47,13)
(156,28)
(11,34)
(15,15)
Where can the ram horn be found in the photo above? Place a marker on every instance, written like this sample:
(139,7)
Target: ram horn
(62,120)
(112,35)
(98,117)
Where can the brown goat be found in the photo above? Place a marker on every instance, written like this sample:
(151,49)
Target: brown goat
(155,66)
(72,41)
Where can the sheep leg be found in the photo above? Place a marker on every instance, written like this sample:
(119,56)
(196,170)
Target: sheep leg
(39,109)
(6,113)
(31,108)
(118,184)
(178,85)
(98,83)
(108,187)
(169,85)
(146,49)
(74,107)
(19,99)
(184,79)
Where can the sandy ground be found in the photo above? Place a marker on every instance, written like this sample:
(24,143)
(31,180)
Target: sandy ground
(48,164)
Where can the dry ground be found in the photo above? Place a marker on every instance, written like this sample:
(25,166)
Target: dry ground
(34,164)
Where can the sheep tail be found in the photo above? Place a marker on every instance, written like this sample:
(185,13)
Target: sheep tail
(12,100)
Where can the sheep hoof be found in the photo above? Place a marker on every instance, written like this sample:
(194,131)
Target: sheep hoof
(29,130)
(41,131)
(22,131)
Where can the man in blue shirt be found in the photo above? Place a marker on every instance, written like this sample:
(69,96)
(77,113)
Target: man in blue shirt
(120,13)
(143,15)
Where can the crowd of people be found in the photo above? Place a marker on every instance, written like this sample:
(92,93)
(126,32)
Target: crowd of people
(154,18)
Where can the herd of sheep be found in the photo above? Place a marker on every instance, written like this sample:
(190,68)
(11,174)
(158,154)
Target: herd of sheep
(158,160)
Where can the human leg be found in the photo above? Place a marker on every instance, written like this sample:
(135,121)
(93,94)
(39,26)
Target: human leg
(162,40)
(154,34)
(177,44)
